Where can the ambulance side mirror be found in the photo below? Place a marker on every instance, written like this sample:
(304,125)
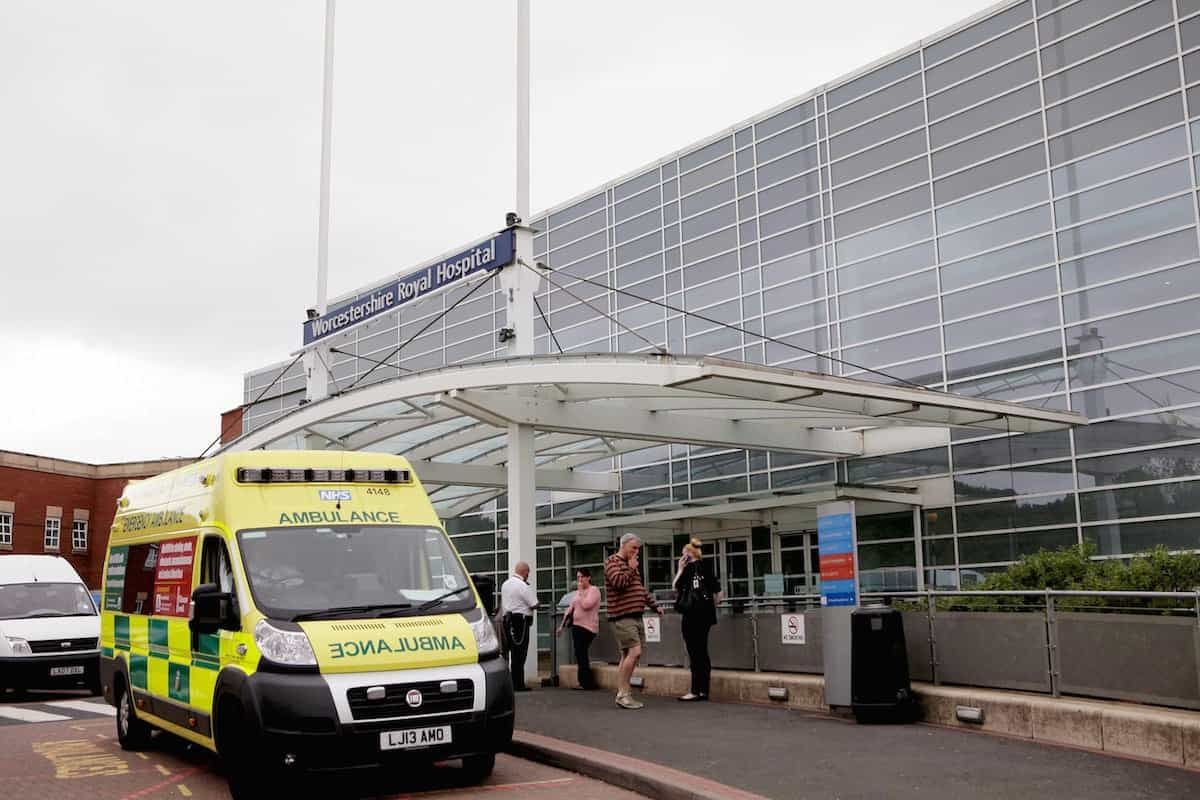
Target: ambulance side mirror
(212,610)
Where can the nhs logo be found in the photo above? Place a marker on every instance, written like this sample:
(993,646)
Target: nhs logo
(334,494)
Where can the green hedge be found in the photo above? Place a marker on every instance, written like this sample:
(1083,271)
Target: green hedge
(1075,569)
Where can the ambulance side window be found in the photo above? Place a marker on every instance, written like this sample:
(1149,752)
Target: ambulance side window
(215,566)
(140,563)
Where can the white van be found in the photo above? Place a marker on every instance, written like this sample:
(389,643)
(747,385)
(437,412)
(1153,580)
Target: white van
(49,626)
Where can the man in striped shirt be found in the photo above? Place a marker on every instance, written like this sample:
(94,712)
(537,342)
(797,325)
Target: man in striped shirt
(627,598)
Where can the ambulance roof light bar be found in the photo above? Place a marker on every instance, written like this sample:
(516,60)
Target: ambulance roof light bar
(293,475)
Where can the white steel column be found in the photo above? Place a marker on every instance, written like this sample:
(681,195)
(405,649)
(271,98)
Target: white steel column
(522,521)
(517,282)
(519,285)
(316,359)
(918,513)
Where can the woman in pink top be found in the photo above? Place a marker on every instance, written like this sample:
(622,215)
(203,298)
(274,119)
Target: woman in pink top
(583,615)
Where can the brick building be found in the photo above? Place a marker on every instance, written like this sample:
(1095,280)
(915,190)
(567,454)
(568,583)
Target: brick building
(48,505)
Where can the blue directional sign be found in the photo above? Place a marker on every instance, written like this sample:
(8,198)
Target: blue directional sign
(835,547)
(494,253)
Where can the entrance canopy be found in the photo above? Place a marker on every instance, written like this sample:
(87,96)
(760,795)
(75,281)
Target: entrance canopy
(454,423)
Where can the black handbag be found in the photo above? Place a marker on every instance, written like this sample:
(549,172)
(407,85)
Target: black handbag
(692,596)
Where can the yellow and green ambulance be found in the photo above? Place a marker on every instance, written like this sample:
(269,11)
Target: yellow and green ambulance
(298,610)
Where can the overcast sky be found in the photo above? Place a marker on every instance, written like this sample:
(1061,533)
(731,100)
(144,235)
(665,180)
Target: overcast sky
(159,165)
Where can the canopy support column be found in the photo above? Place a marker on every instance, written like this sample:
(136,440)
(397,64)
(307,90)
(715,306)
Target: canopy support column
(522,520)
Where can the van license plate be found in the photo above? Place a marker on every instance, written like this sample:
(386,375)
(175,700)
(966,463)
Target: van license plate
(414,737)
(56,672)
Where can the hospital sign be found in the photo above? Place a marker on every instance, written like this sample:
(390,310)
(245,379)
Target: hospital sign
(496,252)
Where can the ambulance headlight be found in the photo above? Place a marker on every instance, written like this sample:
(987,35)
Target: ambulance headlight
(485,636)
(283,647)
(19,646)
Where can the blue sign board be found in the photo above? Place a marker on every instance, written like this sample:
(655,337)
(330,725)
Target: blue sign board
(496,252)
(835,547)
(834,535)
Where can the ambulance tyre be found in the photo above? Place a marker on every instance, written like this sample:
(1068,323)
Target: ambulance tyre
(132,733)
(249,779)
(477,768)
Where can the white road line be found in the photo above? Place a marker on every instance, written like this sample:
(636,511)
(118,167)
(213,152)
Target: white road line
(29,715)
(103,709)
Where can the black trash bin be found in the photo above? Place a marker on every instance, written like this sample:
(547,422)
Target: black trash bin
(879,685)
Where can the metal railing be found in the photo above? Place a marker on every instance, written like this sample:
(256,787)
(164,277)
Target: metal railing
(1128,645)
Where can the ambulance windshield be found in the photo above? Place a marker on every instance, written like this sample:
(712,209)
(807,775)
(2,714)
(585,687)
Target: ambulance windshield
(349,571)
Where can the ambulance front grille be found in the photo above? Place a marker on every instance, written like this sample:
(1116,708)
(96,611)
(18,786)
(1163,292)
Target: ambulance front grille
(395,704)
(429,622)
(358,626)
(433,622)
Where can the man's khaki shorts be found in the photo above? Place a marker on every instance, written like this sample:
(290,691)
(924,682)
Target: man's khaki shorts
(630,632)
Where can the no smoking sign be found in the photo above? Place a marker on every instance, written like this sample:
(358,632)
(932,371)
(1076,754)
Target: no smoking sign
(791,628)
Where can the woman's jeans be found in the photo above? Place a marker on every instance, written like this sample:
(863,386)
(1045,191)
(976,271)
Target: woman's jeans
(695,636)
(582,638)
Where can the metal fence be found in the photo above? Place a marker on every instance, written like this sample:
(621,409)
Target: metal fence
(1140,646)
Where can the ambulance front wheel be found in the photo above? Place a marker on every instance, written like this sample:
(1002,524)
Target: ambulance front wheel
(479,768)
(132,733)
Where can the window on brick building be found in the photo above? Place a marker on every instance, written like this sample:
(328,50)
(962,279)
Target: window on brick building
(79,530)
(6,525)
(52,530)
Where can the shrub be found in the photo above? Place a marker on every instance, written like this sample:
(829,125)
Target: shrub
(1076,569)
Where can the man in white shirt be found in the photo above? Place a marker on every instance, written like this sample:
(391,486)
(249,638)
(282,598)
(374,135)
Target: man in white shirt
(517,601)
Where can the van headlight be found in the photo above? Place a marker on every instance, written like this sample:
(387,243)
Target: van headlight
(283,647)
(19,646)
(485,636)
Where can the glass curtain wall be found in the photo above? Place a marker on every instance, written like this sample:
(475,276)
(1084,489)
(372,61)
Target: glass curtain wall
(1007,211)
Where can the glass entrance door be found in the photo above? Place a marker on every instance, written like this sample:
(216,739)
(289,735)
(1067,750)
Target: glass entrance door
(735,567)
(800,563)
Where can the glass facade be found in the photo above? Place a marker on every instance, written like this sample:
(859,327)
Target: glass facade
(1006,211)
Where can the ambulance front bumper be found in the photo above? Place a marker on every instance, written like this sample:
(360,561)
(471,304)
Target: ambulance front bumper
(300,726)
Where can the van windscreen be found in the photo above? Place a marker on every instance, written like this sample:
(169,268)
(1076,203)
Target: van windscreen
(33,600)
(348,571)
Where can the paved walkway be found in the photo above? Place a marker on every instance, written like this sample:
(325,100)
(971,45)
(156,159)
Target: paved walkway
(792,755)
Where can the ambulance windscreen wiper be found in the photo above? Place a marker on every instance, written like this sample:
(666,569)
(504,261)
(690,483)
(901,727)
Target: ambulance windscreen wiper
(428,604)
(384,609)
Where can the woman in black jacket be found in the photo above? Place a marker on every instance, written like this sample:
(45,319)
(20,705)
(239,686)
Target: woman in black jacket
(697,593)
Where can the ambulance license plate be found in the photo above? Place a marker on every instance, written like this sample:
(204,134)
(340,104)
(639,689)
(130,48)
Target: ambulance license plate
(56,672)
(414,737)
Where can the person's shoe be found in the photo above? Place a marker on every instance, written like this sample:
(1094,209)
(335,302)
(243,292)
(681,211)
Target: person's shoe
(689,697)
(627,701)
(702,697)
(520,688)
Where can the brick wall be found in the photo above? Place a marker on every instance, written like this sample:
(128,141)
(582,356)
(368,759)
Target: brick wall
(32,484)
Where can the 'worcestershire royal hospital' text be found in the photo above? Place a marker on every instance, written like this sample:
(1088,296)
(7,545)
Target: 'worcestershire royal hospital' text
(492,254)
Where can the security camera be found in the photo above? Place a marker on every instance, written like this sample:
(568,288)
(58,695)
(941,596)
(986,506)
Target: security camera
(511,219)
(312,313)
(505,335)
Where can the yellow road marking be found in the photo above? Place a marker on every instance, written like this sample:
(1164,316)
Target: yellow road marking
(162,769)
(143,756)
(78,728)
(80,758)
(183,790)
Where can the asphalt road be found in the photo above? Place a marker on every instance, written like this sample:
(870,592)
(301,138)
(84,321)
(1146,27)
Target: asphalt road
(63,747)
(792,755)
